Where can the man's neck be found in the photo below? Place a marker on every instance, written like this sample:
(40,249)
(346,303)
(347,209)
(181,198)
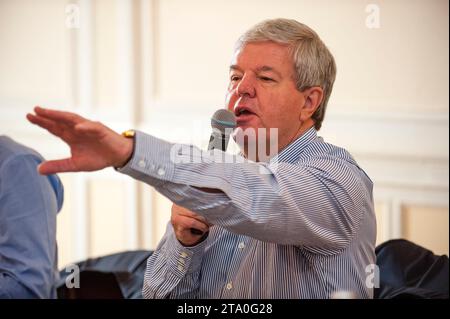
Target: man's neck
(304,127)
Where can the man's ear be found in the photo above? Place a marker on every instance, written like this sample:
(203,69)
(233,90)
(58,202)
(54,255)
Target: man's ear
(313,98)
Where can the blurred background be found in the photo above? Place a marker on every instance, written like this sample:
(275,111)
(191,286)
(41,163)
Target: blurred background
(161,66)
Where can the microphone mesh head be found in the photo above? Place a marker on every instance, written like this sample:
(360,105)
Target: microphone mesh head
(223,119)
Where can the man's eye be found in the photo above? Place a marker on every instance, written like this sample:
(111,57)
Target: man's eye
(235,78)
(266,79)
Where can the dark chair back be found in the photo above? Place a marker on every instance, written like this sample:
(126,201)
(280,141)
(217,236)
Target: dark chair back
(116,276)
(408,270)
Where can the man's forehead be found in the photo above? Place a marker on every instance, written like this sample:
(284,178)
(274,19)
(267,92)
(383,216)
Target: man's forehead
(262,56)
(262,68)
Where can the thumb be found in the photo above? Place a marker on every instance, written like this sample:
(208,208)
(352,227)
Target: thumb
(56,166)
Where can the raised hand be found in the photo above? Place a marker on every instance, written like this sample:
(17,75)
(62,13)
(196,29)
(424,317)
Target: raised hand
(93,146)
(183,221)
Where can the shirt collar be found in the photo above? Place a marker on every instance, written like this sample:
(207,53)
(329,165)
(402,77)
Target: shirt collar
(291,152)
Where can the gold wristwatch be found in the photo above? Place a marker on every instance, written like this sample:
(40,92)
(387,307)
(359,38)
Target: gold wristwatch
(129,133)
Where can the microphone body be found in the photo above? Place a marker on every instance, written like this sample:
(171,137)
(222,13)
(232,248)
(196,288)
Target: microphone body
(223,123)
(218,140)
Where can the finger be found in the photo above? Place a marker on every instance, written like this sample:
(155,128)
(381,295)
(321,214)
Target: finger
(186,212)
(185,223)
(61,116)
(194,224)
(49,125)
(56,166)
(193,216)
(195,231)
(190,214)
(200,219)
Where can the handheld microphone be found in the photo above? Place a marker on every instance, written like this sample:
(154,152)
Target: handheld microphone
(222,123)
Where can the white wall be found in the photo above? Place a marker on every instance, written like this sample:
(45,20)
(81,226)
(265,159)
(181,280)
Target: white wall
(161,66)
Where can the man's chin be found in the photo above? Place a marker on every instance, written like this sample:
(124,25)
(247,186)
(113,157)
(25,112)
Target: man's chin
(247,131)
(246,138)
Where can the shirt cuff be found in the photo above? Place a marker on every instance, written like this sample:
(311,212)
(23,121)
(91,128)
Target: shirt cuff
(151,160)
(184,260)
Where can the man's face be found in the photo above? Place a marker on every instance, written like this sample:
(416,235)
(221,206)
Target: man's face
(262,91)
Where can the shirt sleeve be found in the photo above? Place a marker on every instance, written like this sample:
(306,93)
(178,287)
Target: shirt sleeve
(173,270)
(317,204)
(28,208)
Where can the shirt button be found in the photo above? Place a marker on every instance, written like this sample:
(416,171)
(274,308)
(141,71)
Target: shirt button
(180,267)
(229,285)
(161,171)
(241,245)
(141,163)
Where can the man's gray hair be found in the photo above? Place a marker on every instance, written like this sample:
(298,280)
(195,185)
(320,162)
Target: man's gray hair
(314,64)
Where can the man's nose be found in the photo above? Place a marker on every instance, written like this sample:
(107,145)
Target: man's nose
(246,86)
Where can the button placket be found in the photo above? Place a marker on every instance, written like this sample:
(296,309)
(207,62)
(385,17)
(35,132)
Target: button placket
(182,261)
(239,249)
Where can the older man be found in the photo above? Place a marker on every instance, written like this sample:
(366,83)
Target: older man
(299,225)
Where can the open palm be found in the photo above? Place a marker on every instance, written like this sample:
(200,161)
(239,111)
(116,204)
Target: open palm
(93,146)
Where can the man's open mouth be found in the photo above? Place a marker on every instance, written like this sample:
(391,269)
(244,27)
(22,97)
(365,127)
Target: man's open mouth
(242,111)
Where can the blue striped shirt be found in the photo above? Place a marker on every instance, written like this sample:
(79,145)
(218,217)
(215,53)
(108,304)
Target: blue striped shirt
(299,226)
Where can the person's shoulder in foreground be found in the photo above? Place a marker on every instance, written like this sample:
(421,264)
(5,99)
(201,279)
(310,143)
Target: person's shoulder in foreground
(29,203)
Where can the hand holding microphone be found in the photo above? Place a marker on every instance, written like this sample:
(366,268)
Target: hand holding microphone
(189,227)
